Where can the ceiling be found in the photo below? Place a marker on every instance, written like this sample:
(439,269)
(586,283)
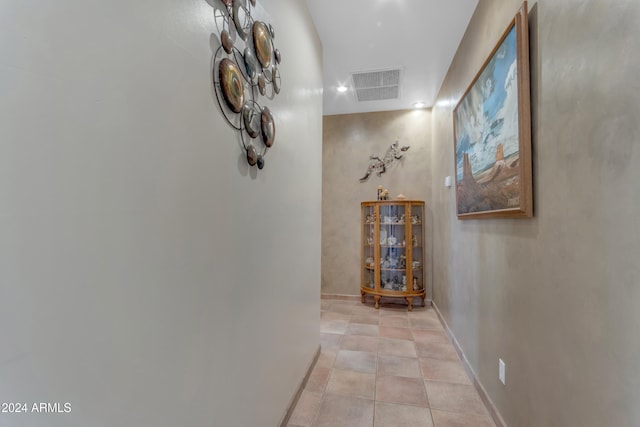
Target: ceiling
(420,37)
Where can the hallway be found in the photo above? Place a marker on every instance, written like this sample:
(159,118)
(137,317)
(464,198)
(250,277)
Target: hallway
(386,368)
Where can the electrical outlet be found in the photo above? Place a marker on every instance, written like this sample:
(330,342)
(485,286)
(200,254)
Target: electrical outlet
(502,371)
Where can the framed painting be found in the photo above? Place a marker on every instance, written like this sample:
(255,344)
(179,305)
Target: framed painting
(492,132)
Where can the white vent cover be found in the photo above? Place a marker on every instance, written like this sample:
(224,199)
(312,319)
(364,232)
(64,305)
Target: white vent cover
(376,85)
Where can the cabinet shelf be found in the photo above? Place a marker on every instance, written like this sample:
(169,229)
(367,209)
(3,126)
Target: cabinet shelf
(401,223)
(393,246)
(401,247)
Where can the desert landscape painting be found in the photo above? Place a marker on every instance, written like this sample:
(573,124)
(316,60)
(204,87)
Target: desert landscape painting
(487,146)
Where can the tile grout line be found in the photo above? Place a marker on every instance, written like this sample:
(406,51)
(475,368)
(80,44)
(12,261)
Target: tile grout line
(421,327)
(424,383)
(324,388)
(375,385)
(494,414)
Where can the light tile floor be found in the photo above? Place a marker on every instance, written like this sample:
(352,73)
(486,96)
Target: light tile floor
(386,368)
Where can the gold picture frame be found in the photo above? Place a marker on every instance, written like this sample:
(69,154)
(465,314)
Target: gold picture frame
(492,132)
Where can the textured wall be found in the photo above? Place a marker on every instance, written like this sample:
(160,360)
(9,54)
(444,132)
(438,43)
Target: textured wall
(348,141)
(554,296)
(146,275)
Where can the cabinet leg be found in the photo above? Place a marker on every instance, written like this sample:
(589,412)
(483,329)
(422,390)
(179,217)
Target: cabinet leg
(377,300)
(362,296)
(410,302)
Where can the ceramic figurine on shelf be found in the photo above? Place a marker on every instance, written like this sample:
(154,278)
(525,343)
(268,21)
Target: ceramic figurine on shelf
(414,240)
(393,262)
(415,284)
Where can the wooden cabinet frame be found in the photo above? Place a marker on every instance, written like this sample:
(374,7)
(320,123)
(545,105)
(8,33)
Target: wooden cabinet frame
(377,226)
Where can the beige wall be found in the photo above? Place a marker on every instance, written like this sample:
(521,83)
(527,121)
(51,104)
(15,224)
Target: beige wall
(555,296)
(147,276)
(348,141)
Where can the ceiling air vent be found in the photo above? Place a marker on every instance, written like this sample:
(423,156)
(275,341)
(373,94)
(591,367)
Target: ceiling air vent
(376,85)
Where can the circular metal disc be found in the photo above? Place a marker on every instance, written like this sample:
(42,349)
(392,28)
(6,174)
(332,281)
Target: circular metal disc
(272,31)
(251,63)
(227,43)
(277,55)
(262,84)
(262,43)
(260,161)
(252,155)
(276,79)
(267,74)
(241,18)
(251,117)
(231,84)
(268,127)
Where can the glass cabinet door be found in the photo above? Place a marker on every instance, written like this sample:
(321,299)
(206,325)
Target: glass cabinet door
(393,250)
(417,255)
(368,248)
(392,244)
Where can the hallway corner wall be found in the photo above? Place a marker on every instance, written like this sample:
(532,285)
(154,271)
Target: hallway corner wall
(554,296)
(148,276)
(348,141)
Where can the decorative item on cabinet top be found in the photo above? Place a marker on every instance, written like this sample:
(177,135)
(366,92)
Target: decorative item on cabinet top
(383,194)
(245,65)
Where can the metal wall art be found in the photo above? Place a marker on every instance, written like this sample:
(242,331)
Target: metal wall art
(245,72)
(380,165)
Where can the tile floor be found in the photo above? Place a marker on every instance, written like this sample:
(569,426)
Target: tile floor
(386,368)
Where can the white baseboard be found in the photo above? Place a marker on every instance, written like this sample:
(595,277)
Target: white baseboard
(389,300)
(341,297)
